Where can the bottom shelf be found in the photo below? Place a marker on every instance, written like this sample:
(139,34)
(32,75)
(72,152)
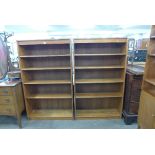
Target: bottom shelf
(96,114)
(51,114)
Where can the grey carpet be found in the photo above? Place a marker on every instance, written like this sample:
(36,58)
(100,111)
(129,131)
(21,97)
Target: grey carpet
(7,122)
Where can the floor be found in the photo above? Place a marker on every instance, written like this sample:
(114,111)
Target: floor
(7,122)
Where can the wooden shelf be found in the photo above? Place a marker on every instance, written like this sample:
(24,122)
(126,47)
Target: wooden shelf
(51,114)
(98,40)
(151,81)
(33,82)
(49,96)
(45,68)
(99,81)
(105,113)
(150,91)
(98,95)
(107,54)
(152,55)
(44,56)
(98,67)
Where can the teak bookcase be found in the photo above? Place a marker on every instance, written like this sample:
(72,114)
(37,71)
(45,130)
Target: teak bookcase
(146,117)
(99,77)
(46,70)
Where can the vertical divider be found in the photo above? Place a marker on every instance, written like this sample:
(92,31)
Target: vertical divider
(72,77)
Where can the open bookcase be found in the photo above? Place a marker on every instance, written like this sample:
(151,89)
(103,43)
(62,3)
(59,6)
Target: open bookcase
(99,67)
(46,70)
(147,102)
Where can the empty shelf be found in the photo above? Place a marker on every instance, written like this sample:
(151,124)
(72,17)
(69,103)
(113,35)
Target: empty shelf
(99,81)
(51,114)
(151,81)
(98,95)
(98,67)
(49,96)
(106,113)
(45,68)
(48,82)
(43,56)
(102,54)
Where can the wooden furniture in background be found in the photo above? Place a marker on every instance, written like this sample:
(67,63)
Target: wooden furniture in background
(100,66)
(146,117)
(11,100)
(133,82)
(47,78)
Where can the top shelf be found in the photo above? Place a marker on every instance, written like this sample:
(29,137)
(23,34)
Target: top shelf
(103,40)
(43,42)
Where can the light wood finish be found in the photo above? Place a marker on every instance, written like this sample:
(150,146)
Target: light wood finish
(151,81)
(98,40)
(51,114)
(99,77)
(98,95)
(147,111)
(49,96)
(44,56)
(11,100)
(43,42)
(94,114)
(33,82)
(99,81)
(46,70)
(146,117)
(98,67)
(100,54)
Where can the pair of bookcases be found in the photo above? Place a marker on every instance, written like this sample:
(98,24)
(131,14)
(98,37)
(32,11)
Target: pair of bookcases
(73,79)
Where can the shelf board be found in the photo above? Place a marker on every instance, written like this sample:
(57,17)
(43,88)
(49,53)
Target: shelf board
(106,54)
(151,81)
(98,67)
(49,96)
(152,55)
(44,56)
(99,81)
(33,82)
(103,40)
(98,95)
(106,113)
(51,114)
(45,68)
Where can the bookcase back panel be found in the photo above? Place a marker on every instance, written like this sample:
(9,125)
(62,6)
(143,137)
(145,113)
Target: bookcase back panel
(106,103)
(57,104)
(47,75)
(99,74)
(99,48)
(46,62)
(98,88)
(53,49)
(48,89)
(99,61)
